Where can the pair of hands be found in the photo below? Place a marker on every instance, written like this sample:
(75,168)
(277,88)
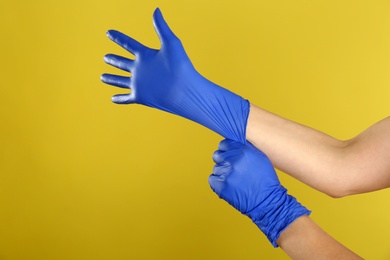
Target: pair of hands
(166,79)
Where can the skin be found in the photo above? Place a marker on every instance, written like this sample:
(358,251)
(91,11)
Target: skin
(304,239)
(335,167)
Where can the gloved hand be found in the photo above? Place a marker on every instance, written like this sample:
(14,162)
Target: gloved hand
(245,178)
(166,79)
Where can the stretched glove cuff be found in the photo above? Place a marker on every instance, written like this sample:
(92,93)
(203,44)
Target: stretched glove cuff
(212,106)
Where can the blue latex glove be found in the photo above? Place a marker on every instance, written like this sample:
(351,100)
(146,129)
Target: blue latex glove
(245,178)
(166,79)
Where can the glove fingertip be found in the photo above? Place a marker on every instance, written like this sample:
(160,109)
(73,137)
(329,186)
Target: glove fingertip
(107,58)
(157,12)
(109,55)
(123,99)
(115,100)
(161,26)
(118,99)
(103,77)
(157,21)
(110,33)
(217,156)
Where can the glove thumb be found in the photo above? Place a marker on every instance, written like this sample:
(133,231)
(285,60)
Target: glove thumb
(163,31)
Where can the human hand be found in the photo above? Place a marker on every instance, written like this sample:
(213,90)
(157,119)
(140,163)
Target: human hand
(245,178)
(166,79)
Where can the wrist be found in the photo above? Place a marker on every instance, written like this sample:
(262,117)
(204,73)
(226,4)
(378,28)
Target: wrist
(219,109)
(278,214)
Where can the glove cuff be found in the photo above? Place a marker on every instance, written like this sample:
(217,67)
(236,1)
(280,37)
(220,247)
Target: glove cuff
(216,108)
(278,215)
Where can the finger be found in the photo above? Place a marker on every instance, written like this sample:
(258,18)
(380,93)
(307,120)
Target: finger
(217,156)
(222,169)
(160,25)
(217,184)
(221,157)
(125,41)
(227,144)
(123,99)
(119,62)
(115,80)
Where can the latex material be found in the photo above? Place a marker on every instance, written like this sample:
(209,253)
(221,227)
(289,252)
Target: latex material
(166,79)
(245,178)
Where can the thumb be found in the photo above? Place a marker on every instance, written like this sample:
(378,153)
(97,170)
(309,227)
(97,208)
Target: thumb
(163,31)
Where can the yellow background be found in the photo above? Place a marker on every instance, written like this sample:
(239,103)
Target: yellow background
(82,178)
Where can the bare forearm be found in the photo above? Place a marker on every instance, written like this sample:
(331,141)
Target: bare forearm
(335,167)
(304,239)
(302,152)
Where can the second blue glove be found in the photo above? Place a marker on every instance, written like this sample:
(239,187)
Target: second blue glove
(245,178)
